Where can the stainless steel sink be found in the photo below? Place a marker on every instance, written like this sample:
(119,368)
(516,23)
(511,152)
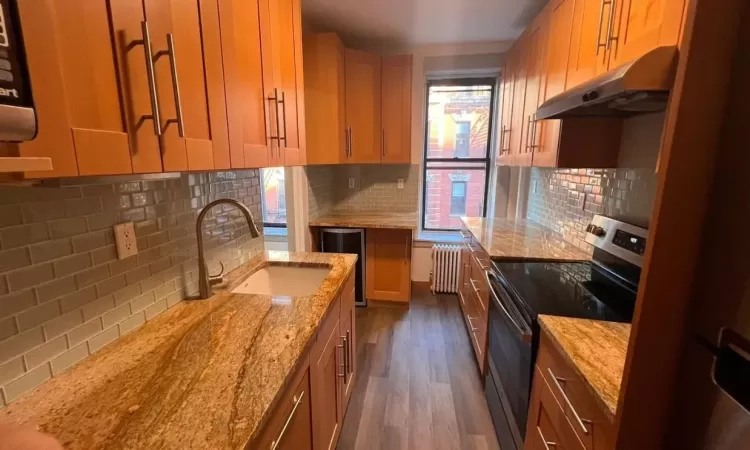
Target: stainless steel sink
(293,281)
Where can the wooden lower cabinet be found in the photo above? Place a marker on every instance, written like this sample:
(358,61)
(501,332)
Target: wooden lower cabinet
(388,265)
(290,426)
(473,296)
(562,409)
(311,408)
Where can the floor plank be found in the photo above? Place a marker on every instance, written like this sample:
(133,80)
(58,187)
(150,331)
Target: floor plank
(417,386)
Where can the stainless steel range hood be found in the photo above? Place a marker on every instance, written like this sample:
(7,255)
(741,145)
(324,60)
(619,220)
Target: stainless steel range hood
(638,87)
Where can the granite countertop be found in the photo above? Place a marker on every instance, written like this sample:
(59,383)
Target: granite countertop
(397,220)
(596,350)
(203,374)
(512,239)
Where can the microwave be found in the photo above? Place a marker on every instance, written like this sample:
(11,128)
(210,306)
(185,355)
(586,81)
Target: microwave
(18,121)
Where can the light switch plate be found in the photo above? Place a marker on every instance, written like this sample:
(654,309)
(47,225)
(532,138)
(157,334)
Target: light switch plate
(125,240)
(351,182)
(400,183)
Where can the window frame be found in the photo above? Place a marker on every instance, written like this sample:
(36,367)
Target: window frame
(460,162)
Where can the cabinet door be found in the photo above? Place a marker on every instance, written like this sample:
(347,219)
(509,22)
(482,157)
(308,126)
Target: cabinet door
(396,115)
(290,424)
(88,121)
(589,56)
(246,79)
(547,426)
(644,25)
(388,265)
(519,64)
(324,99)
(534,60)
(347,338)
(506,111)
(182,78)
(327,389)
(286,65)
(556,70)
(363,106)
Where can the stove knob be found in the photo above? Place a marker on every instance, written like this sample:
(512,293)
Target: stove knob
(597,231)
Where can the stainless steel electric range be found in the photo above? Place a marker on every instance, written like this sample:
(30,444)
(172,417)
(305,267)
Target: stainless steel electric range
(601,289)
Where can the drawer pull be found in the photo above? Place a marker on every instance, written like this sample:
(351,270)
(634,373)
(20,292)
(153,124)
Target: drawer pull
(297,401)
(343,358)
(581,422)
(471,325)
(547,444)
(474,286)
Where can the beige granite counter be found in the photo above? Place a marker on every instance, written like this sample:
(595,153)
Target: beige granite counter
(596,350)
(204,374)
(505,238)
(367,220)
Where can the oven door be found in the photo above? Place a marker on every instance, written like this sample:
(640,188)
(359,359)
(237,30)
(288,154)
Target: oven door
(510,357)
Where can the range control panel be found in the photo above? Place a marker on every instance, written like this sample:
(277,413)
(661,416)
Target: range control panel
(629,241)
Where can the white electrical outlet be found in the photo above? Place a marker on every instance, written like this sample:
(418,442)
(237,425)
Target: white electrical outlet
(125,240)
(351,182)
(400,183)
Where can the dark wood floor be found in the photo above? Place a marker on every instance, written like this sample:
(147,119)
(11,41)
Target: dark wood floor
(417,385)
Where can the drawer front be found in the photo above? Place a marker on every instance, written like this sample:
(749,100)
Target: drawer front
(548,427)
(590,423)
(479,286)
(290,424)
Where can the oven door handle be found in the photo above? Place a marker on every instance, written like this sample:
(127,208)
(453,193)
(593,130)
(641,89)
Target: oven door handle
(522,333)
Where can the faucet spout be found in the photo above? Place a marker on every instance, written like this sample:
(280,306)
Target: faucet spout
(204,280)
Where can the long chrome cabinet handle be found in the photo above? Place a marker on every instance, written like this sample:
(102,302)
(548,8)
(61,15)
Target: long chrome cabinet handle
(471,324)
(533,124)
(297,401)
(556,380)
(547,444)
(343,359)
(348,353)
(351,149)
(283,118)
(522,334)
(612,8)
(382,141)
(599,29)
(274,99)
(146,41)
(175,86)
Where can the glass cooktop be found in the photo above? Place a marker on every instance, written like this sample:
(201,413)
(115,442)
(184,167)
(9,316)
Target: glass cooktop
(568,289)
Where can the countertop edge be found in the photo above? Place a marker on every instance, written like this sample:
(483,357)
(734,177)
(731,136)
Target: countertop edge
(605,408)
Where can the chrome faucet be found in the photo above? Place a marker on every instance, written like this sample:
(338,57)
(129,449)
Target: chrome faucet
(205,281)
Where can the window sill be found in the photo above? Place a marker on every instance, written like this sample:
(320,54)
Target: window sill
(438,237)
(274,231)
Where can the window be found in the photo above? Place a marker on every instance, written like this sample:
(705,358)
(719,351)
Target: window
(458,198)
(456,167)
(273,197)
(462,139)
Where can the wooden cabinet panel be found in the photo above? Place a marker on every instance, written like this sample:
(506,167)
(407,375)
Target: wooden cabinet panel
(588,55)
(396,113)
(535,50)
(327,386)
(286,64)
(643,25)
(506,111)
(388,265)
(290,426)
(519,64)
(547,427)
(246,79)
(363,105)
(71,59)
(325,99)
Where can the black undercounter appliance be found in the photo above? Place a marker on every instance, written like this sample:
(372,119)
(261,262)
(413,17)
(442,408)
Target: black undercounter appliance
(601,289)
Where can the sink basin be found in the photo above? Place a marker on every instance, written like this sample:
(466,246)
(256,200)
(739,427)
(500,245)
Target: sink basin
(293,281)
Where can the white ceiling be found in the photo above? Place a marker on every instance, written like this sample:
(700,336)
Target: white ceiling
(421,22)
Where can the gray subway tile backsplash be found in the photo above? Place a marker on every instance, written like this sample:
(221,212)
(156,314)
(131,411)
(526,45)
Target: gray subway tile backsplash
(63,292)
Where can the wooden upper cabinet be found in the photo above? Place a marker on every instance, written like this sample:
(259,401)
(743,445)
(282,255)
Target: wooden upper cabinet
(247,81)
(535,51)
(87,125)
(396,109)
(504,157)
(388,265)
(644,25)
(285,43)
(362,71)
(589,55)
(325,99)
(561,18)
(519,64)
